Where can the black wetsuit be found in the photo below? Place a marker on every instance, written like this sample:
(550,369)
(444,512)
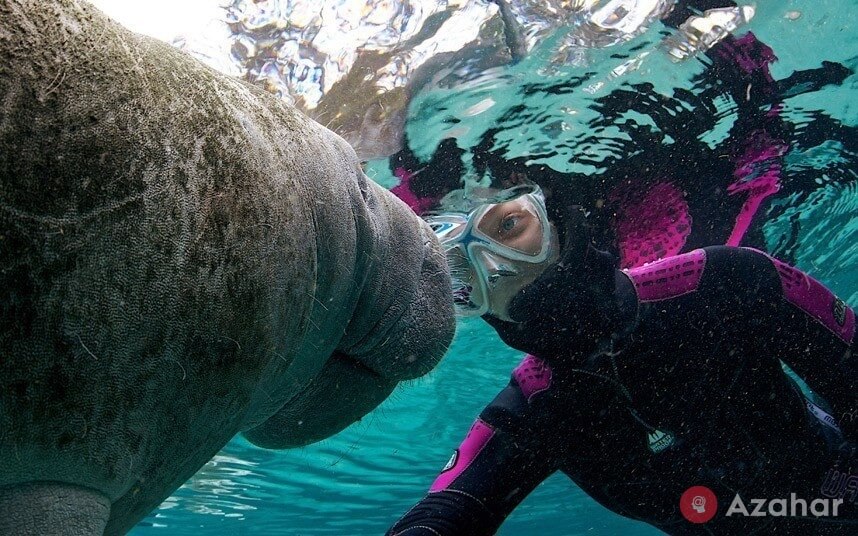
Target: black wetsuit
(653,380)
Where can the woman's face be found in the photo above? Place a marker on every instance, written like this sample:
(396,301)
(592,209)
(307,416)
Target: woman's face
(516,226)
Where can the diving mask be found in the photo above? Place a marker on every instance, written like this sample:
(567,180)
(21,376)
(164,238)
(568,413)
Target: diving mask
(492,246)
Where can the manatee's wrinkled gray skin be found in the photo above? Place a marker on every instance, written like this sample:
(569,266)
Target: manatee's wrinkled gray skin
(182,257)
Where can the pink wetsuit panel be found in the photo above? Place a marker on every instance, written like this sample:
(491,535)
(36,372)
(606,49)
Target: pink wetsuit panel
(669,277)
(812,297)
(474,442)
(533,376)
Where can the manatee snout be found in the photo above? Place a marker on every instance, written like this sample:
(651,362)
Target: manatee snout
(420,337)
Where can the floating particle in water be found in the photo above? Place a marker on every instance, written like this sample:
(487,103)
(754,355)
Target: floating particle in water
(592,89)
(792,15)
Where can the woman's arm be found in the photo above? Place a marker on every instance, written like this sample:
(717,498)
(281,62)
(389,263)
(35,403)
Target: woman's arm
(497,465)
(784,314)
(811,330)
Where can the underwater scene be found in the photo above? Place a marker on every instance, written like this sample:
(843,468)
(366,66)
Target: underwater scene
(673,125)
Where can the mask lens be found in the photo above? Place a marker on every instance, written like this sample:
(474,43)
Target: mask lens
(492,243)
(447,228)
(514,225)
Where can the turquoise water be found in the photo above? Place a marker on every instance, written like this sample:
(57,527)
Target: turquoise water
(360,481)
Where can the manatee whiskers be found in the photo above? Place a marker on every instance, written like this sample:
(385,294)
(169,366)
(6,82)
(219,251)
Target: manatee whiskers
(184,372)
(55,84)
(316,326)
(282,357)
(232,340)
(315,299)
(85,348)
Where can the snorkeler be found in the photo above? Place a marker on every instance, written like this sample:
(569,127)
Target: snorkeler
(671,183)
(643,383)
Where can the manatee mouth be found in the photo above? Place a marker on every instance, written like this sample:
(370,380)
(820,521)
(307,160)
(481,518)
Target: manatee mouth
(358,366)
(404,366)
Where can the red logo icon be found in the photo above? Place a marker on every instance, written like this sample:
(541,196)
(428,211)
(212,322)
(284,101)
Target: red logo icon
(698,504)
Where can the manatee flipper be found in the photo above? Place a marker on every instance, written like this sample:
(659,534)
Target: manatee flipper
(52,509)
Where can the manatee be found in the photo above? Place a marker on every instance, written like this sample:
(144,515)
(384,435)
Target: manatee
(183,257)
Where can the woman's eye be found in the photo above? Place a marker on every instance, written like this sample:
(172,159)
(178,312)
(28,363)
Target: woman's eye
(509,223)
